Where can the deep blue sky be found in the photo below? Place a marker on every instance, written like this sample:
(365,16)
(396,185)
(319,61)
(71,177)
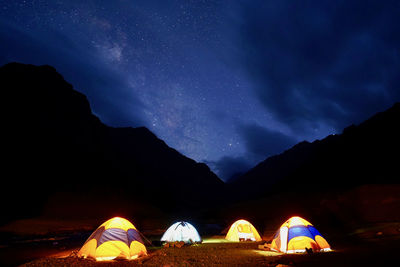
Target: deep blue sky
(224,82)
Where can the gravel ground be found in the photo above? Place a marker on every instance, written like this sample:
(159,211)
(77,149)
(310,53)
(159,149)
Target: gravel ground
(242,254)
(209,254)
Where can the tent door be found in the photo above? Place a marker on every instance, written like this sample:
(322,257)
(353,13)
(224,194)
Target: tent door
(284,238)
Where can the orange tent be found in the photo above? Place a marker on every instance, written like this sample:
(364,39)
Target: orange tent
(116,238)
(242,230)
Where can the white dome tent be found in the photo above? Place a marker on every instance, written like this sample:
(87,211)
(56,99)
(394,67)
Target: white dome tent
(181,231)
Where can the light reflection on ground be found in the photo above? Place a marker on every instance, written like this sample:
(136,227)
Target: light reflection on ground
(267,253)
(215,239)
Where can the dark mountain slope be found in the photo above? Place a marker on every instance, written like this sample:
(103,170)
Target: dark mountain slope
(345,183)
(363,154)
(53,144)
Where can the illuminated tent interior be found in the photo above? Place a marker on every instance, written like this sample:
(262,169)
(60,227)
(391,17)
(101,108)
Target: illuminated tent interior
(117,238)
(242,230)
(181,231)
(297,234)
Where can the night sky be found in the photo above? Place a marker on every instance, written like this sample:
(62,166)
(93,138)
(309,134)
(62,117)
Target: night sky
(227,83)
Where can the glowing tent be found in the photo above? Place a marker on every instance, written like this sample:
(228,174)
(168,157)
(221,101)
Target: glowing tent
(242,230)
(181,231)
(116,238)
(297,234)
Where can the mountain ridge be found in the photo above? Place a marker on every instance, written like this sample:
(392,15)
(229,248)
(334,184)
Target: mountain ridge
(372,141)
(53,135)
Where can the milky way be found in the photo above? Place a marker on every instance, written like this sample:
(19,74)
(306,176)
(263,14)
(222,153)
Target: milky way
(224,82)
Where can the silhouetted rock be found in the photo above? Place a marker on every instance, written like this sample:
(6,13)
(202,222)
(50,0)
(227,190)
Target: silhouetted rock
(53,144)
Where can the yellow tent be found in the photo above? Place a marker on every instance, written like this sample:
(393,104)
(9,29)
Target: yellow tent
(297,235)
(242,230)
(116,238)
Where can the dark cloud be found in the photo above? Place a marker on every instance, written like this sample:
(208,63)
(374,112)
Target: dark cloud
(261,142)
(228,168)
(329,62)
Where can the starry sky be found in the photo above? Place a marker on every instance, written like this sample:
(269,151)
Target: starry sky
(227,83)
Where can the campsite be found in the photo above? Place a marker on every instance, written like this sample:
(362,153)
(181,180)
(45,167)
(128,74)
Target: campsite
(200,133)
(356,218)
(354,215)
(61,250)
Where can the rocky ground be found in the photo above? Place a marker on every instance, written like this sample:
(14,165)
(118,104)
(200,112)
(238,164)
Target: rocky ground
(375,245)
(215,253)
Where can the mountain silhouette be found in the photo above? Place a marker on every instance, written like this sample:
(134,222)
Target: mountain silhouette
(57,153)
(362,154)
(60,159)
(344,181)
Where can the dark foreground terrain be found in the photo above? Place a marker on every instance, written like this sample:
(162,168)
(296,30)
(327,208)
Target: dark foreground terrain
(242,254)
(373,245)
